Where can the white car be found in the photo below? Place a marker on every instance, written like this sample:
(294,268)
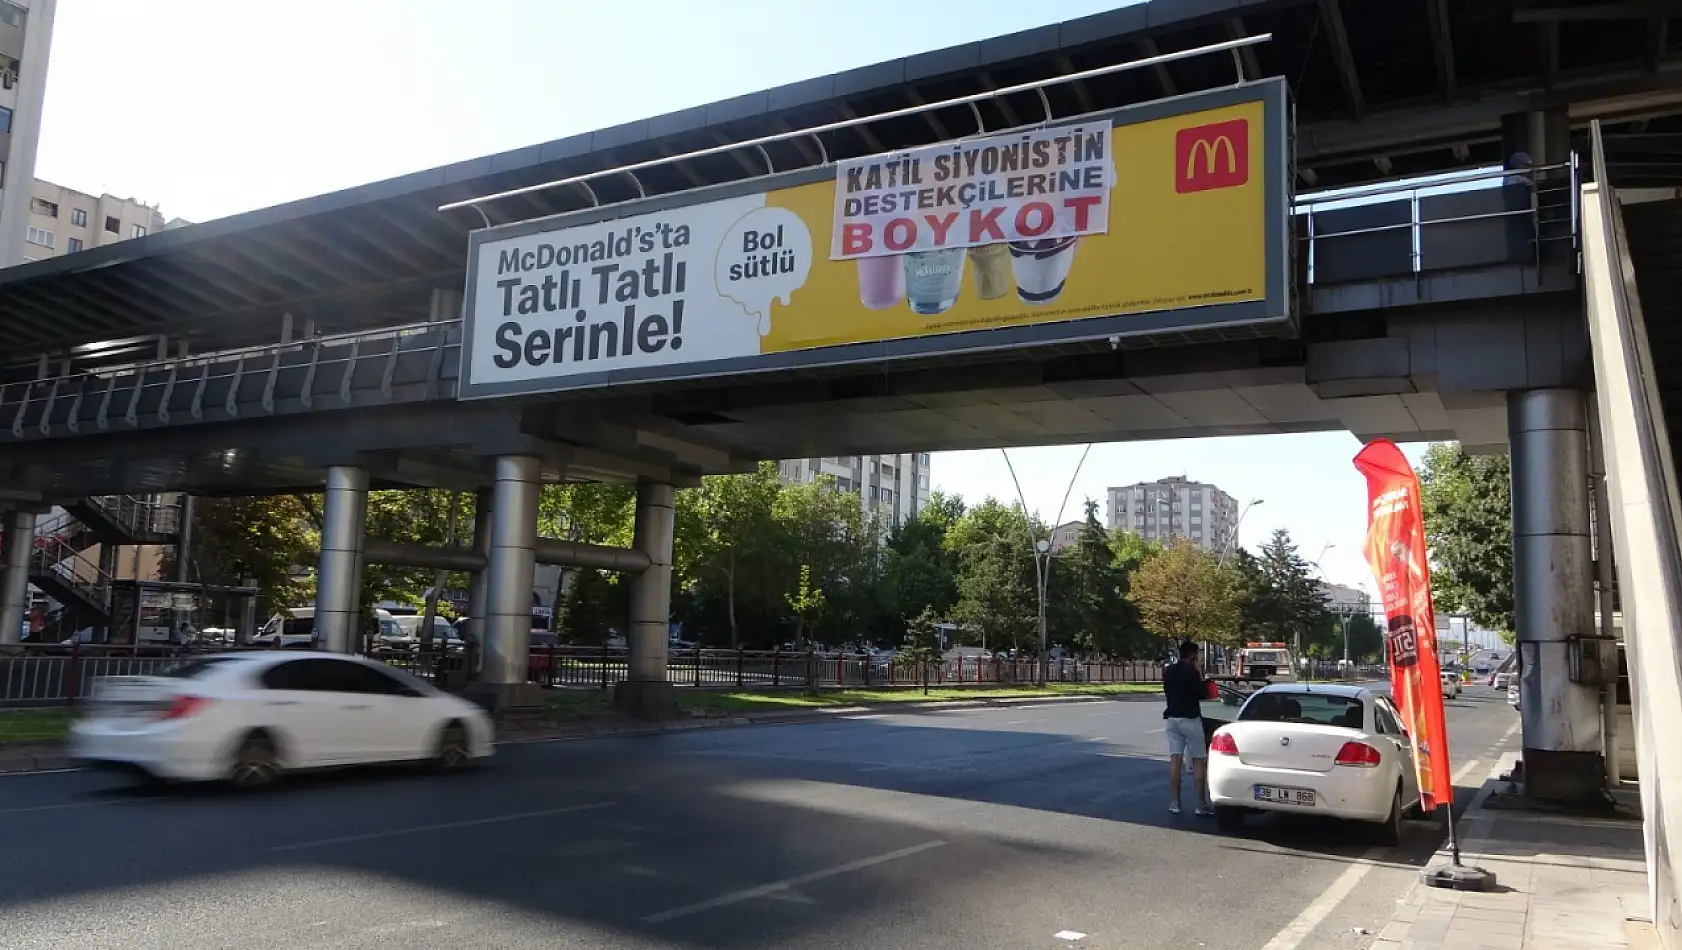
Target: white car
(249,717)
(1334,750)
(1451,684)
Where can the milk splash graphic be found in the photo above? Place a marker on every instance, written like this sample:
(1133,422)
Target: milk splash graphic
(766,255)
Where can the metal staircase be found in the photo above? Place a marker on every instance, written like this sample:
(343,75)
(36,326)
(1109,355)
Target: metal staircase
(59,567)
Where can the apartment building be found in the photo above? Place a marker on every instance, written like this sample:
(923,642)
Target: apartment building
(1343,599)
(1175,508)
(63,220)
(26,35)
(893,487)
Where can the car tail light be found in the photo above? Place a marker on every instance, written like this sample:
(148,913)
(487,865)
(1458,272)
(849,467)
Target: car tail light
(1358,754)
(1223,744)
(183,706)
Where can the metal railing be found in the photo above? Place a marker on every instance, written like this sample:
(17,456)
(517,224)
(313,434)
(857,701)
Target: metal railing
(52,556)
(1552,212)
(138,516)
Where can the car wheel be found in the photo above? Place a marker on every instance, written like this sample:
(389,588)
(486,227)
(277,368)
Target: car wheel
(452,751)
(256,764)
(1228,818)
(1389,834)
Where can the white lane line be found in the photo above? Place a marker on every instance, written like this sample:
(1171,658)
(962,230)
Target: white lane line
(1464,771)
(1298,930)
(442,826)
(40,772)
(1021,722)
(777,887)
(59,807)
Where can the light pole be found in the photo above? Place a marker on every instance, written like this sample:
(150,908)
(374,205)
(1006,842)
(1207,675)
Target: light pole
(1232,537)
(1042,548)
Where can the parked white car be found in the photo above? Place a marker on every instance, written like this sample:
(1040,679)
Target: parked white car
(249,717)
(1334,750)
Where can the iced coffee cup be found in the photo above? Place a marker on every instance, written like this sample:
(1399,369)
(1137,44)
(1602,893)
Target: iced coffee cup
(992,270)
(881,282)
(1041,267)
(933,279)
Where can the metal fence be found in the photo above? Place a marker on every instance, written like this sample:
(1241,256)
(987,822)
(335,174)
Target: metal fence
(33,675)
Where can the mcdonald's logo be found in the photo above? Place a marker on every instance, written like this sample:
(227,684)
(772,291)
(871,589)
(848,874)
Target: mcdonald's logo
(1212,156)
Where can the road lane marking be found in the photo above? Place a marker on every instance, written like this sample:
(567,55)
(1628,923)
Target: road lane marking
(58,807)
(1021,722)
(442,826)
(1465,770)
(1315,913)
(777,887)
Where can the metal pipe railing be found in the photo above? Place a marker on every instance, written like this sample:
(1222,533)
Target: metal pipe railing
(919,109)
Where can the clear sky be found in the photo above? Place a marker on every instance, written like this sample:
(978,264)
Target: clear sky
(210,108)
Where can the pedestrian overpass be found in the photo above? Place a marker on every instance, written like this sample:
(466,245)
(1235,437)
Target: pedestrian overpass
(323,344)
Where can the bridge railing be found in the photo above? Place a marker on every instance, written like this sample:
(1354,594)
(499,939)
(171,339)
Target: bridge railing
(1486,218)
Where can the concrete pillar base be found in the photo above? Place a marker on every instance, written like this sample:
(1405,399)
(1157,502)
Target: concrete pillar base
(1564,778)
(505,700)
(646,699)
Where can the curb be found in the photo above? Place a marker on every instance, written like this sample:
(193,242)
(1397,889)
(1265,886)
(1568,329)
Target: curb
(24,758)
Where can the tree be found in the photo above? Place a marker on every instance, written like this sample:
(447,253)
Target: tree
(1468,510)
(993,543)
(1366,639)
(920,574)
(1088,594)
(1184,594)
(725,532)
(258,538)
(807,603)
(1289,607)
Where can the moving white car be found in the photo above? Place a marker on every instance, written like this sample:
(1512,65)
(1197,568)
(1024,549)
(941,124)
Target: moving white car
(1335,750)
(1451,684)
(250,717)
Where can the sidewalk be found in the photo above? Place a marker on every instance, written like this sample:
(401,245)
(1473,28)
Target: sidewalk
(1562,883)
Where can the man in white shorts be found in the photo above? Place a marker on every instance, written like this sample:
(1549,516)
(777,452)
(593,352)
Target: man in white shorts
(1184,687)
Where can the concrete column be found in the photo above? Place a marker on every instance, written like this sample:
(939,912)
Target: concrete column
(646,690)
(14,574)
(506,641)
(338,574)
(1553,591)
(478,588)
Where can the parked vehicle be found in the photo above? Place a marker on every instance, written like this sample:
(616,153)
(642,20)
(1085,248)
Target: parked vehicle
(1336,750)
(1269,661)
(251,717)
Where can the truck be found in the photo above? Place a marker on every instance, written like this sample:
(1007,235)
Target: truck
(1267,661)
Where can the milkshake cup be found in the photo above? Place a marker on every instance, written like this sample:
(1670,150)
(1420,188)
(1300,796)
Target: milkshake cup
(1041,267)
(881,282)
(992,270)
(933,279)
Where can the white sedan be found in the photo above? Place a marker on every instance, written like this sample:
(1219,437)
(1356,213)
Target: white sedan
(249,717)
(1333,750)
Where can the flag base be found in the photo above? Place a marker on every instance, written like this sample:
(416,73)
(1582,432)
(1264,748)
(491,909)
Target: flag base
(1458,877)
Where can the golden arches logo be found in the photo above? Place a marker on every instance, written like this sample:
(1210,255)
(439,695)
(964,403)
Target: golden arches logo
(1210,150)
(1216,155)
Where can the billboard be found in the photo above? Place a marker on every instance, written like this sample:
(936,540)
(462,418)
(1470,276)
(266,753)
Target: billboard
(1168,216)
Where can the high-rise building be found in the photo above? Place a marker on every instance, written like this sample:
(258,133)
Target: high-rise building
(893,487)
(26,36)
(63,220)
(1175,508)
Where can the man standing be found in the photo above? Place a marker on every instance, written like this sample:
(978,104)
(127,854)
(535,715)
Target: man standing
(1184,687)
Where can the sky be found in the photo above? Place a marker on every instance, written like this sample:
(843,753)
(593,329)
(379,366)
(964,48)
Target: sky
(209,108)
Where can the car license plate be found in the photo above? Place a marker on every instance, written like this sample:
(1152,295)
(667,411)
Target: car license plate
(1285,796)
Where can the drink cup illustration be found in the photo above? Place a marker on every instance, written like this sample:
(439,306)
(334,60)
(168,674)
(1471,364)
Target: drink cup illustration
(881,282)
(1041,267)
(992,270)
(933,279)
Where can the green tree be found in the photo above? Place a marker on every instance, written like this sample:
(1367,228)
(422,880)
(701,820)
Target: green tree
(1288,605)
(265,538)
(996,595)
(807,603)
(1088,594)
(825,531)
(1366,639)
(1184,594)
(921,572)
(725,537)
(1468,510)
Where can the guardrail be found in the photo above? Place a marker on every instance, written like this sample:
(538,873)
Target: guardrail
(56,675)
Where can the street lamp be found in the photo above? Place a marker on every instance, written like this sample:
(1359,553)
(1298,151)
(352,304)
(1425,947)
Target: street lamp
(1042,548)
(1232,537)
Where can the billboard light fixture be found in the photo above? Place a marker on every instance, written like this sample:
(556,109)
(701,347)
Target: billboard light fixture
(1038,85)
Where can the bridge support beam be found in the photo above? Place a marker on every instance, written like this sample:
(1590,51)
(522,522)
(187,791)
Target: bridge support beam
(14,574)
(338,580)
(1553,592)
(478,587)
(502,686)
(646,691)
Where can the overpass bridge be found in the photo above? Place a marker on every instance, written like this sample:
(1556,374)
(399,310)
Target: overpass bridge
(329,343)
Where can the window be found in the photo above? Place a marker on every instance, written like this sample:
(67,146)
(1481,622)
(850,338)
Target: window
(1323,709)
(5,113)
(1387,723)
(113,225)
(42,206)
(137,231)
(311,675)
(73,245)
(39,236)
(13,15)
(78,217)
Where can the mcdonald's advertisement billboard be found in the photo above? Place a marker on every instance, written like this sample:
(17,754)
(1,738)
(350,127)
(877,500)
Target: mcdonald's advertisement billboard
(1165,217)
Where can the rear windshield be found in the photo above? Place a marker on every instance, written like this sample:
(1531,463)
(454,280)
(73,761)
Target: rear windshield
(197,666)
(1264,656)
(1318,708)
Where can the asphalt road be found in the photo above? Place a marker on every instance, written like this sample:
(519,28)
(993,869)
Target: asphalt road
(961,829)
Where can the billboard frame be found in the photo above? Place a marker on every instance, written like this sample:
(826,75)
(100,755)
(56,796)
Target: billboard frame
(1274,307)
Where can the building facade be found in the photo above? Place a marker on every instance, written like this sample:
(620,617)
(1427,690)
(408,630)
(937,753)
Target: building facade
(1175,508)
(892,487)
(1343,599)
(26,36)
(63,220)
